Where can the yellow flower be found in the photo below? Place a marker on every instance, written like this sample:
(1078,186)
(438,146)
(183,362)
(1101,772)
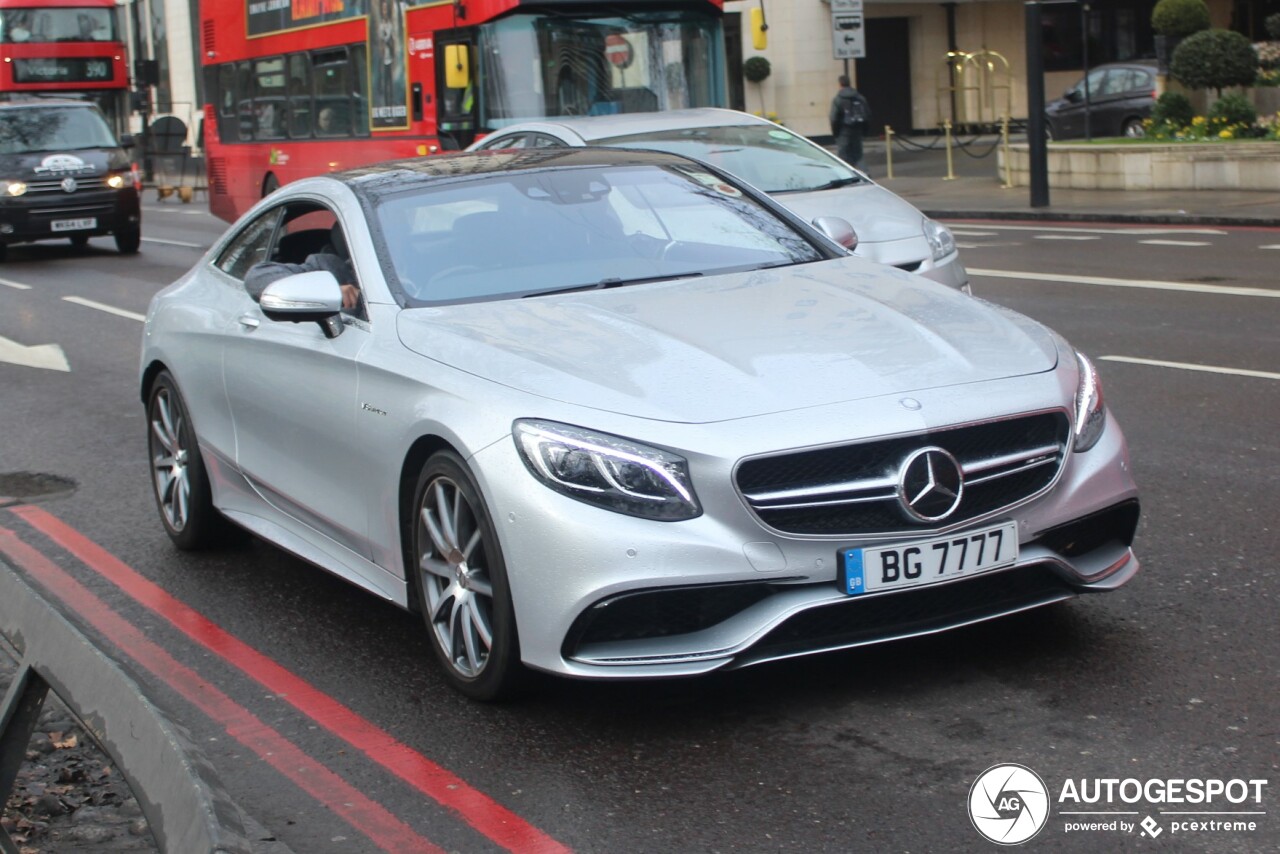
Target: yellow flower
(1225,134)
(1198,120)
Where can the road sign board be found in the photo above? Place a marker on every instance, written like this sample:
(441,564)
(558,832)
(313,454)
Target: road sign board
(848,36)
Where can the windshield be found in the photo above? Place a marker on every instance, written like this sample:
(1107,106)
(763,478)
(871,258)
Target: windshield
(529,233)
(771,158)
(26,130)
(534,66)
(57,25)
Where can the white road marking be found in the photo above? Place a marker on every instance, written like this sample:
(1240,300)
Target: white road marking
(15,285)
(1176,242)
(47,356)
(1222,290)
(1270,246)
(1120,230)
(161,209)
(973,233)
(174,243)
(1184,366)
(109,309)
(960,245)
(1073,237)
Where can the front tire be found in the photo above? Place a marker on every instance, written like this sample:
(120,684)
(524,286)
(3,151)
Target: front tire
(462,582)
(178,477)
(128,241)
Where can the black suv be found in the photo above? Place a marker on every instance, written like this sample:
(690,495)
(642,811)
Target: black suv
(63,174)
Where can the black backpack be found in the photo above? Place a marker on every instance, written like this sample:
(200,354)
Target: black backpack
(853,112)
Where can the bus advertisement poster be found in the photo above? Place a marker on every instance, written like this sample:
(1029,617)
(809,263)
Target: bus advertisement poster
(273,16)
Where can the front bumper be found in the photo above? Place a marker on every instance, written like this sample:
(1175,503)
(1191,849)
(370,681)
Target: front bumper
(599,595)
(27,219)
(913,255)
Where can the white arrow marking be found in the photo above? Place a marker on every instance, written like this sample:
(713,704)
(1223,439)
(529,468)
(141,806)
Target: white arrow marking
(48,356)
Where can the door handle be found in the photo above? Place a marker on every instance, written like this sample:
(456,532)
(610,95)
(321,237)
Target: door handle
(248,321)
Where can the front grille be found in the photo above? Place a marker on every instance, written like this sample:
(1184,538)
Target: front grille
(860,620)
(852,489)
(910,266)
(53,186)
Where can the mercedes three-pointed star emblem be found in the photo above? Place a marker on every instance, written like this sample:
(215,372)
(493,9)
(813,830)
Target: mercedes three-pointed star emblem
(930,485)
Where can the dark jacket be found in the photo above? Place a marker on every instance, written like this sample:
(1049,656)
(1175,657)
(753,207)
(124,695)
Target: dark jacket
(837,111)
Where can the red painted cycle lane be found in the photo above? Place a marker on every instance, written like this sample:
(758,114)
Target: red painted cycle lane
(472,806)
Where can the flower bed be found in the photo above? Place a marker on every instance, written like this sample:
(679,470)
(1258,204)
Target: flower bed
(1187,165)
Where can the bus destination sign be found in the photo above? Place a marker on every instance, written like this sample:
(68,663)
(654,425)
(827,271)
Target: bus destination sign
(62,70)
(274,16)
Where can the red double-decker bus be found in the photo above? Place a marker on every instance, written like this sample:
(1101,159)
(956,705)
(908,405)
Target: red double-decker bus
(65,48)
(300,87)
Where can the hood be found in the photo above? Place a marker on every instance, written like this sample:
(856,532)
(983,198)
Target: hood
(735,346)
(877,215)
(81,163)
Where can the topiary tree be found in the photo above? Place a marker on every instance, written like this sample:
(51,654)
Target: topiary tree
(1172,110)
(756,69)
(1180,18)
(1273,26)
(1214,59)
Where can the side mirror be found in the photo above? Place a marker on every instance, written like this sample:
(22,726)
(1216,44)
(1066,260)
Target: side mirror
(838,231)
(127,141)
(457,67)
(304,297)
(1075,96)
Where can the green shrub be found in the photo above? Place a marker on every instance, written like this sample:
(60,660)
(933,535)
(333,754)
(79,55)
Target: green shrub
(1273,26)
(756,69)
(1172,110)
(1180,17)
(1233,110)
(1214,59)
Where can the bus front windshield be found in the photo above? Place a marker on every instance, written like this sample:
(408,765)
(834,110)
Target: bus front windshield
(536,66)
(58,24)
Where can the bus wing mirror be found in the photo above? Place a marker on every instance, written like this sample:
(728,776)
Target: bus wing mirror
(457,69)
(759,30)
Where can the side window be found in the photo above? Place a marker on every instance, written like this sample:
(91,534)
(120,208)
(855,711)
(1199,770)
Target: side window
(359,88)
(248,247)
(542,140)
(269,98)
(244,100)
(511,140)
(333,93)
(226,75)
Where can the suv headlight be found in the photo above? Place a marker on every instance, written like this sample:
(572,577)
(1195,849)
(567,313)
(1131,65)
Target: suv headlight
(607,471)
(116,181)
(15,188)
(1091,412)
(940,238)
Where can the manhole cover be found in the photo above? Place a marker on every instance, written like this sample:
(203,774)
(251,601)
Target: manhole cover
(25,485)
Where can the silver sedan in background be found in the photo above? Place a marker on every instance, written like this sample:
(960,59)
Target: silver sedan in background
(801,175)
(613,414)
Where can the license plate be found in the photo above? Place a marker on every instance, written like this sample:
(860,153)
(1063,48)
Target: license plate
(928,561)
(74,224)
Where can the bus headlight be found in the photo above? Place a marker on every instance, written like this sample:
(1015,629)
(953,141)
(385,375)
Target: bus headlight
(15,188)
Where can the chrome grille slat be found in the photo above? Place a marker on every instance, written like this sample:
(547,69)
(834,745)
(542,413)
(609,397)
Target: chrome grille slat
(852,489)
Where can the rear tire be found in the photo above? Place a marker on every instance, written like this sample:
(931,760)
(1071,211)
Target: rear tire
(128,240)
(461,580)
(270,185)
(179,481)
(1133,128)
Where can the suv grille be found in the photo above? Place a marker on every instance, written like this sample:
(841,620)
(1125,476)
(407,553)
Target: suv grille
(852,489)
(53,186)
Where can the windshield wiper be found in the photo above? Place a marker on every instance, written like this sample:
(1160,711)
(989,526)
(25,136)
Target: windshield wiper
(611,282)
(840,182)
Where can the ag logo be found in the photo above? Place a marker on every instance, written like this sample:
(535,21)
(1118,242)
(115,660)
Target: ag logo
(1008,804)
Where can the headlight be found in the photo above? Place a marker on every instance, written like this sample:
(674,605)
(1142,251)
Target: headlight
(941,241)
(1091,413)
(607,471)
(115,182)
(15,188)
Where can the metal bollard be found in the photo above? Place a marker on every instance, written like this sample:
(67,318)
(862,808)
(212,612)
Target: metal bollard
(888,151)
(1004,143)
(951,175)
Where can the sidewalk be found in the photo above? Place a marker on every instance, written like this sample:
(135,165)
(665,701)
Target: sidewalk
(976,193)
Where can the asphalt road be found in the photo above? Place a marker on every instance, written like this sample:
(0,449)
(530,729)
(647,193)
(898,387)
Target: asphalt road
(1173,677)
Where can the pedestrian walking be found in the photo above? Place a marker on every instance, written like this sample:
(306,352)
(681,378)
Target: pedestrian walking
(850,117)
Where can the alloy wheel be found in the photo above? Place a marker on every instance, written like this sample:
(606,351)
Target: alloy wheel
(455,578)
(169,459)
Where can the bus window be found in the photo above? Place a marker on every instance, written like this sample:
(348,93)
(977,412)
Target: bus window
(244,100)
(269,102)
(333,92)
(300,95)
(360,110)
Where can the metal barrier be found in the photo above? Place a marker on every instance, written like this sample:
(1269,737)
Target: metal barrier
(185,805)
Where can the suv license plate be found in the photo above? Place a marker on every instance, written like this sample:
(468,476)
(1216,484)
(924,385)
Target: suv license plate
(74,224)
(927,561)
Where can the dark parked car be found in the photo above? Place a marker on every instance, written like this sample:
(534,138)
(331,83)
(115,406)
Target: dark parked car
(1121,95)
(63,174)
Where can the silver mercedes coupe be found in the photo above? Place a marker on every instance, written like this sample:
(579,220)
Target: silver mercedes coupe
(615,414)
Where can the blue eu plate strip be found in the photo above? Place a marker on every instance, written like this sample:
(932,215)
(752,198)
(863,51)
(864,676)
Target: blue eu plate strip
(852,574)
